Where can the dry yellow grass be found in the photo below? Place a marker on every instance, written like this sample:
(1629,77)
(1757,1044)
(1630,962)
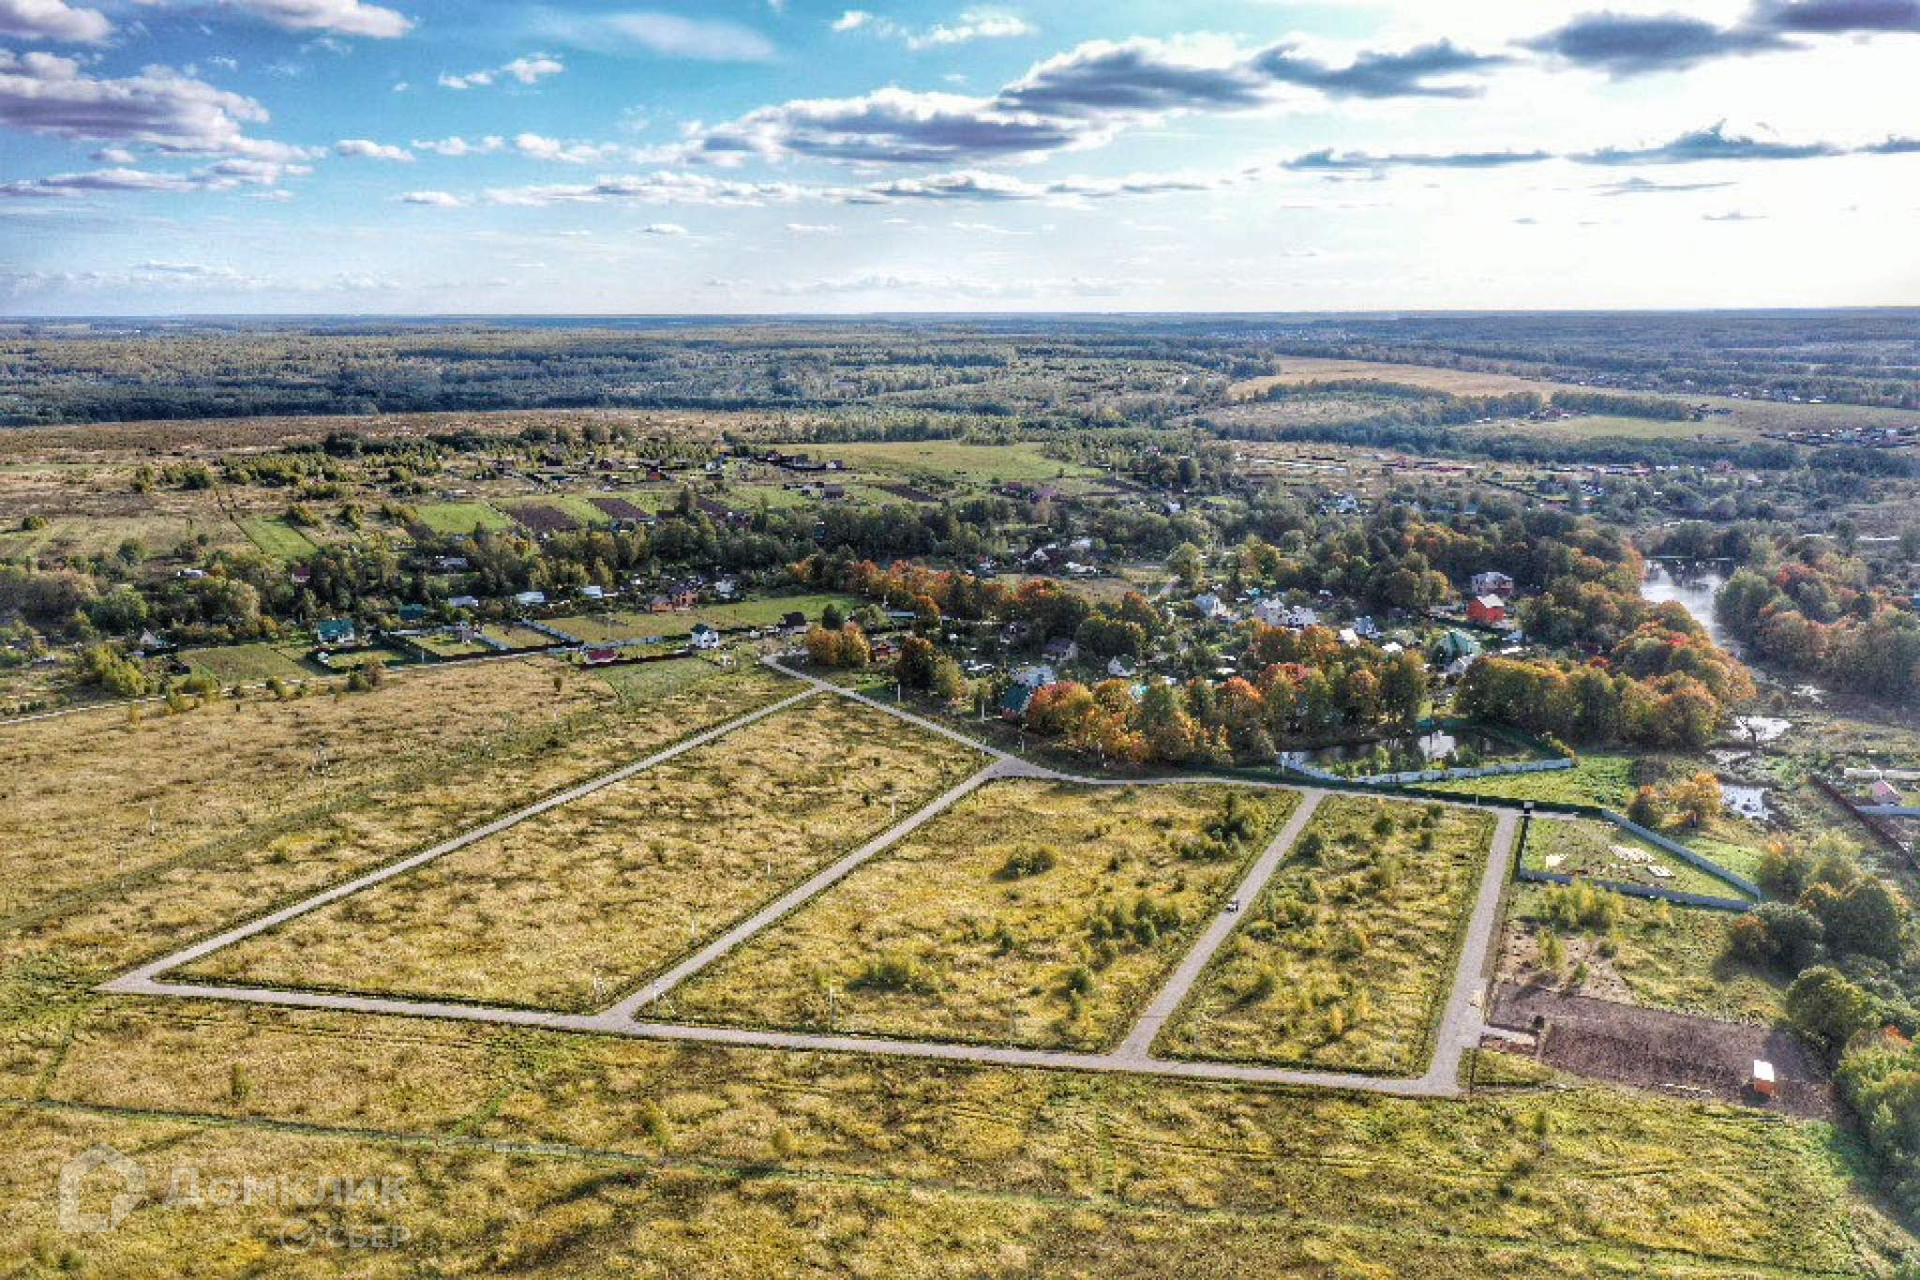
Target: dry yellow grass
(567,909)
(1015,917)
(98,794)
(1345,959)
(546,1153)
(426,783)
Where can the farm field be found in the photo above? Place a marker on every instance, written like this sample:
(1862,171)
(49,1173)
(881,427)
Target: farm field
(1742,418)
(1345,959)
(984,464)
(1647,953)
(246,663)
(1585,847)
(566,910)
(235,811)
(276,538)
(1039,914)
(712,1161)
(462,517)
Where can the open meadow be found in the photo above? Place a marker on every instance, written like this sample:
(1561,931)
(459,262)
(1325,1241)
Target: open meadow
(568,909)
(1345,959)
(523,1150)
(1040,914)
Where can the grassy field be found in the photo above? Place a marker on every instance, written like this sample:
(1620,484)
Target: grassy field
(1601,780)
(275,537)
(234,811)
(462,517)
(1583,847)
(568,909)
(245,663)
(1742,418)
(966,463)
(1345,960)
(538,1153)
(1656,954)
(1039,914)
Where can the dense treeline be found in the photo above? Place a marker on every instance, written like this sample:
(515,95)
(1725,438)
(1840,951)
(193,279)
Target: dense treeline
(1820,612)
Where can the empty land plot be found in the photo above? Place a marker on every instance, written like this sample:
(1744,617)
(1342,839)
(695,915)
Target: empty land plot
(1582,847)
(568,908)
(1039,914)
(462,517)
(71,810)
(1657,954)
(978,463)
(707,1161)
(1345,960)
(277,538)
(245,663)
(250,814)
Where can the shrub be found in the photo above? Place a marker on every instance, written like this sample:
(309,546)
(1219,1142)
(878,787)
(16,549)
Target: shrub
(1031,861)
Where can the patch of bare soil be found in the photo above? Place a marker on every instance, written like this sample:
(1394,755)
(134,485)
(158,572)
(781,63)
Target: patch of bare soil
(1672,1053)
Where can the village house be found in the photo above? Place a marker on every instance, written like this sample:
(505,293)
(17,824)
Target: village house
(704,636)
(1487,611)
(1493,583)
(336,632)
(1060,649)
(1211,606)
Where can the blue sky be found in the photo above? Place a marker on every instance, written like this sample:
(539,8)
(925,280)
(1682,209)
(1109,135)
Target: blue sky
(167,156)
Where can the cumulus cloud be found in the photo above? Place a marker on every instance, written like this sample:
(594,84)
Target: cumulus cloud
(52,20)
(663,229)
(366,149)
(455,147)
(894,126)
(226,175)
(1713,143)
(1409,74)
(812,229)
(1838,17)
(434,199)
(1630,44)
(343,17)
(159,108)
(971,25)
(528,70)
(536,147)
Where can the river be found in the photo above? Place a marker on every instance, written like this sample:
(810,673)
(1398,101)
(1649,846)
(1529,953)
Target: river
(1694,586)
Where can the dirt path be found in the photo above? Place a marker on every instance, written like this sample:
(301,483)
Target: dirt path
(1460,1025)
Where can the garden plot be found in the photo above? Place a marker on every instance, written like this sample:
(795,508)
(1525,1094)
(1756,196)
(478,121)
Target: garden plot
(1040,914)
(1600,851)
(1345,960)
(569,908)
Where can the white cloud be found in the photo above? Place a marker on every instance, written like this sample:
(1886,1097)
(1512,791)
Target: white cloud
(536,147)
(159,108)
(663,229)
(973,24)
(659,187)
(666,34)
(455,147)
(527,70)
(367,149)
(52,20)
(813,228)
(434,199)
(345,17)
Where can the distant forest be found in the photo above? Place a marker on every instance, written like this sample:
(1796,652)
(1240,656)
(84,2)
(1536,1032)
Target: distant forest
(1137,370)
